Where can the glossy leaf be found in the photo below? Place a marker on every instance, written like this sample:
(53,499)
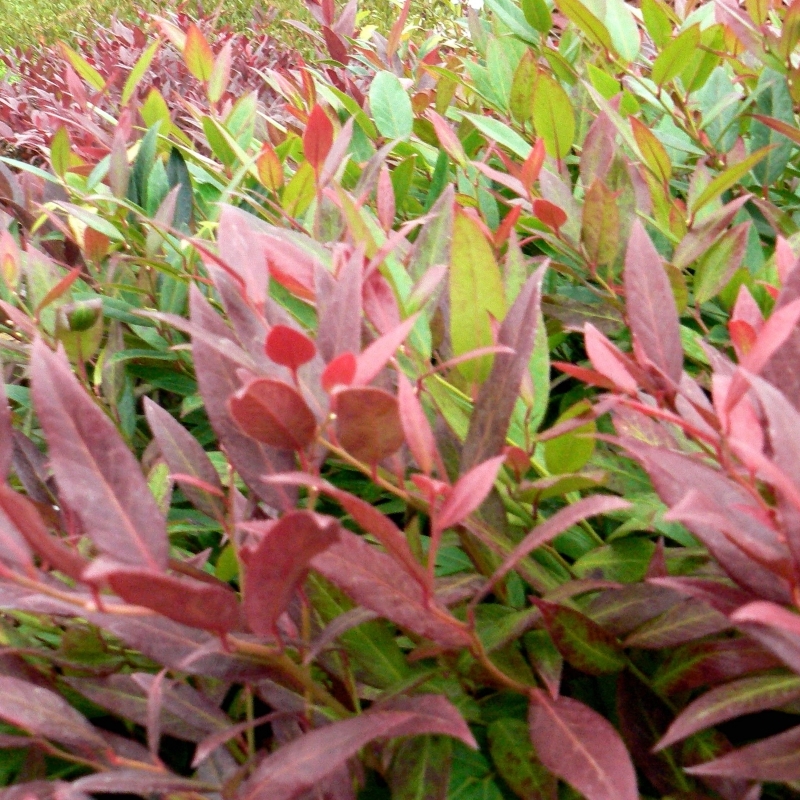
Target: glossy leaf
(582,748)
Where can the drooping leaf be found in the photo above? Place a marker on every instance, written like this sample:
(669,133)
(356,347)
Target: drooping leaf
(582,748)
(305,762)
(96,473)
(279,562)
(651,305)
(368,423)
(274,413)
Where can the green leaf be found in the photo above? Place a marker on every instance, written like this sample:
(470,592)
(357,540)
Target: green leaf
(83,68)
(624,560)
(500,133)
(476,291)
(719,262)
(553,116)
(600,224)
(570,451)
(520,100)
(155,109)
(772,100)
(137,73)
(729,178)
(582,642)
(537,15)
(471,777)
(672,59)
(92,220)
(510,15)
(621,26)
(60,152)
(421,768)
(516,761)
(391,106)
(577,13)
(657,21)
(503,56)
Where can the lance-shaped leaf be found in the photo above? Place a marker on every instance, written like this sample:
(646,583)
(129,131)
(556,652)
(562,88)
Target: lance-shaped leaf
(468,493)
(650,304)
(139,781)
(499,394)
(421,769)
(339,308)
(600,224)
(305,762)
(96,473)
(368,423)
(6,431)
(684,622)
(514,757)
(44,713)
(277,565)
(736,699)
(416,427)
(377,355)
(317,137)
(185,456)
(582,748)
(198,604)
(583,643)
(372,579)
(274,413)
(774,759)
(197,54)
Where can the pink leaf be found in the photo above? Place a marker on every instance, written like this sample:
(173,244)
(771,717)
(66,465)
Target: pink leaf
(288,347)
(96,473)
(650,304)
(377,355)
(340,372)
(274,413)
(608,360)
(416,427)
(468,493)
(380,304)
(368,423)
(276,566)
(307,761)
(582,748)
(141,782)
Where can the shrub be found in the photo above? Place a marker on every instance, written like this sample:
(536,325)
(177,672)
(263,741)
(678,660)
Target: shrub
(354,527)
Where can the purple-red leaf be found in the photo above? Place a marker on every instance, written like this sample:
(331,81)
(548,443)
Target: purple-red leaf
(96,473)
(650,304)
(307,761)
(288,347)
(373,580)
(141,782)
(774,759)
(277,565)
(468,493)
(185,456)
(684,622)
(209,606)
(274,413)
(44,713)
(416,427)
(582,748)
(368,423)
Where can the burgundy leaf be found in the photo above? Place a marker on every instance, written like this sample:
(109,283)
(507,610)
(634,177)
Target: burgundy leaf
(684,622)
(208,606)
(377,355)
(468,493)
(274,413)
(774,759)
(211,743)
(288,347)
(736,699)
(416,427)
(582,748)
(96,473)
(216,376)
(372,579)
(185,456)
(650,304)
(500,392)
(368,423)
(619,611)
(142,782)
(305,762)
(44,713)
(277,565)
(340,372)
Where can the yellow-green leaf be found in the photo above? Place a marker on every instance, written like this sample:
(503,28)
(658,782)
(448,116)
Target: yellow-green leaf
(197,54)
(138,71)
(674,57)
(553,116)
(83,68)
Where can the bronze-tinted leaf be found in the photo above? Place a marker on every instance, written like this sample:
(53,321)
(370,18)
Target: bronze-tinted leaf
(368,423)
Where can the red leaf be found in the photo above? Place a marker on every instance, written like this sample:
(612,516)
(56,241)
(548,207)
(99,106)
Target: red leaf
(372,579)
(210,607)
(368,423)
(650,304)
(416,427)
(582,748)
(377,355)
(185,457)
(44,713)
(774,759)
(97,475)
(468,493)
(274,413)
(549,213)
(747,696)
(304,763)
(276,566)
(317,137)
(340,372)
(532,165)
(197,54)
(288,347)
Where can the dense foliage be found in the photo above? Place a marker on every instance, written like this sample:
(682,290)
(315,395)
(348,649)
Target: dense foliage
(415,421)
